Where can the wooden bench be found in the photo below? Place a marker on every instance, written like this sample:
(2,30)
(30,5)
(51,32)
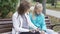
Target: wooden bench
(49,24)
(6,25)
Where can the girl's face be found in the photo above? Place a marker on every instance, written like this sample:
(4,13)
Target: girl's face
(38,11)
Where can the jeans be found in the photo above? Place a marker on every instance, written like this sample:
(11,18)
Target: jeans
(29,33)
(49,31)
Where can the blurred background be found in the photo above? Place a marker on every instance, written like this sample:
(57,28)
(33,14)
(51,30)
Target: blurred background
(51,9)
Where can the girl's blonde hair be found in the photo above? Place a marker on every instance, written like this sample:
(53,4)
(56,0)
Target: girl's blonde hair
(37,6)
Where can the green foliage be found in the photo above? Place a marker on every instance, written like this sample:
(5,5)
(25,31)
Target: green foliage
(7,6)
(38,1)
(49,1)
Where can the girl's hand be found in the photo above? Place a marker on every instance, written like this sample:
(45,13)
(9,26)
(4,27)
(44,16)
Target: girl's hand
(37,29)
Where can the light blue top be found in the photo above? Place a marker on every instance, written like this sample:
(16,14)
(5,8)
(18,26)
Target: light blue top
(39,21)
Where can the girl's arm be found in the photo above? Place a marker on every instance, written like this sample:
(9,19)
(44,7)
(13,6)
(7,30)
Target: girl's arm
(43,23)
(31,24)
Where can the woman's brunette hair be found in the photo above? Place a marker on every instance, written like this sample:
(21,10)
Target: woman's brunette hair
(23,7)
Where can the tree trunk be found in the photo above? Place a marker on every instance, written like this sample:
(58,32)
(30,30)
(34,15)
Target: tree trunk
(55,3)
(44,6)
(52,2)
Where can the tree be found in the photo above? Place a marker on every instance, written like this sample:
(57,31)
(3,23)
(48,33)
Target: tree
(38,1)
(52,2)
(48,1)
(7,6)
(55,3)
(44,6)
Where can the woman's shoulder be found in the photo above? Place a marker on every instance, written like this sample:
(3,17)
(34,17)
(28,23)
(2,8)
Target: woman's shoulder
(15,14)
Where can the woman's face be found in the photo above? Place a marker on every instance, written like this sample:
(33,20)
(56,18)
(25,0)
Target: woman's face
(38,11)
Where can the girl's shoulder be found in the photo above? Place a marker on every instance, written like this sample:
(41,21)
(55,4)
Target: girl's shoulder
(42,14)
(30,14)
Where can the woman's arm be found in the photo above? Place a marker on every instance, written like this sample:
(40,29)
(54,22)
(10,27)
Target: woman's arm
(16,24)
(31,24)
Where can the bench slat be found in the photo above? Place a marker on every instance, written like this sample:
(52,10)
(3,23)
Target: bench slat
(5,30)
(5,26)
(5,22)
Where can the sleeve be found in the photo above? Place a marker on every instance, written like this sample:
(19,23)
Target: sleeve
(31,24)
(43,23)
(16,25)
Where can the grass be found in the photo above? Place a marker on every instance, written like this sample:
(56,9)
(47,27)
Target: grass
(55,20)
(53,8)
(48,6)
(57,28)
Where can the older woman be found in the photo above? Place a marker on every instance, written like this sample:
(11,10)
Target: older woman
(21,21)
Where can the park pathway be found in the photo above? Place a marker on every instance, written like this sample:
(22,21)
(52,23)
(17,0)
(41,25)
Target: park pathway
(53,13)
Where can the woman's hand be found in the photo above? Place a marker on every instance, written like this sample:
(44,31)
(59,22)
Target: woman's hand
(42,32)
(33,31)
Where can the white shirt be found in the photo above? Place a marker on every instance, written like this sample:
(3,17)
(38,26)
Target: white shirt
(16,23)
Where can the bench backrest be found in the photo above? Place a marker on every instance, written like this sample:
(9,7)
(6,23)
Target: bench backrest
(5,25)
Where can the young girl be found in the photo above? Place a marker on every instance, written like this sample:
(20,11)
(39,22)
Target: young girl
(21,21)
(38,19)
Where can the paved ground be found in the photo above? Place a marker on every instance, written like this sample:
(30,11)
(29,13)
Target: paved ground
(53,13)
